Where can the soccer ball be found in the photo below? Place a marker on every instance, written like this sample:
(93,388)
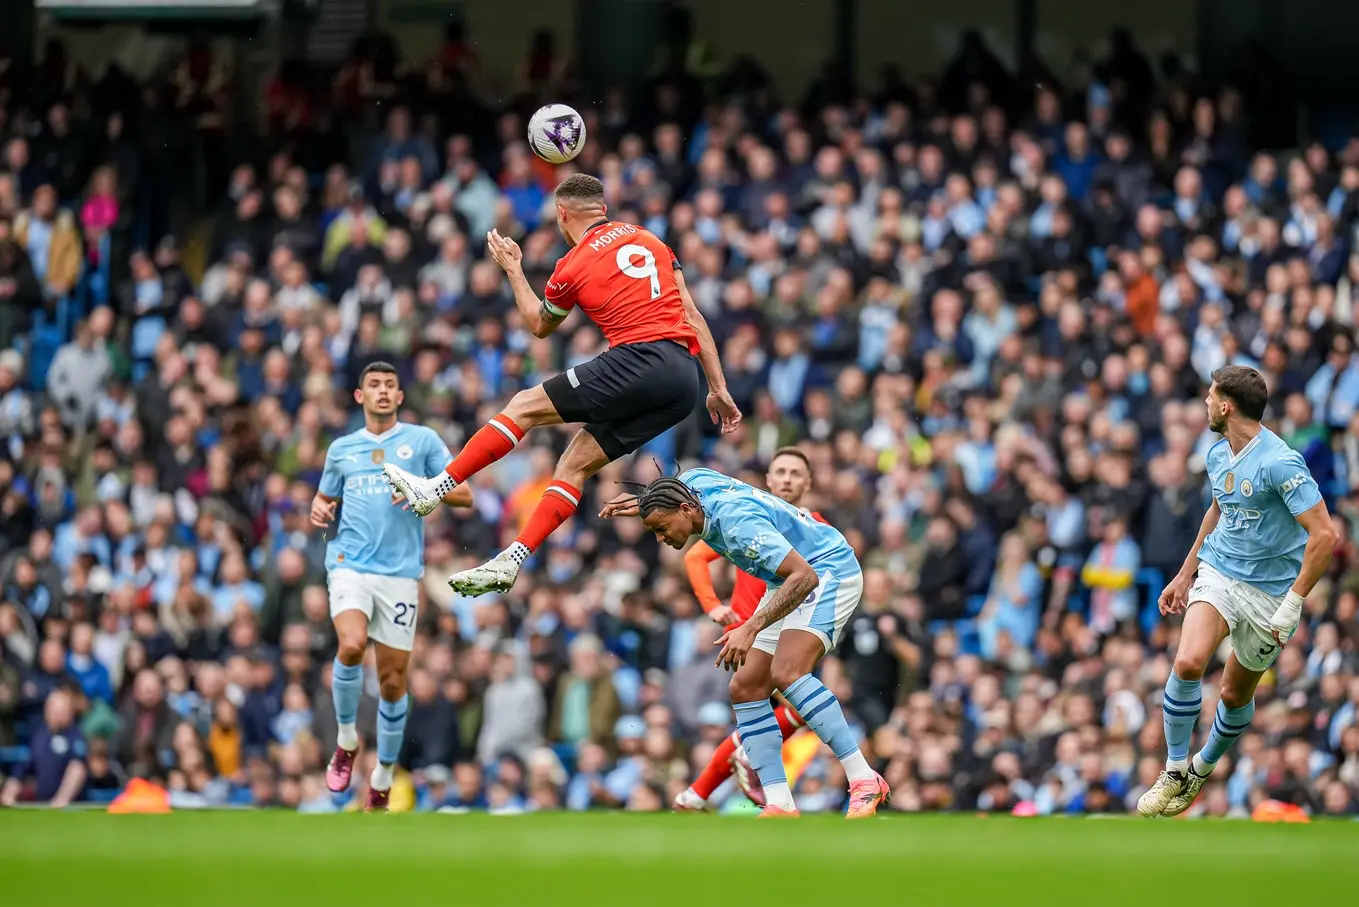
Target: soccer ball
(556,133)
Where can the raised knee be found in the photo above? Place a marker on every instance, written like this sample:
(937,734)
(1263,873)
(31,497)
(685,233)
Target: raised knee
(1234,697)
(1188,668)
(392,688)
(528,408)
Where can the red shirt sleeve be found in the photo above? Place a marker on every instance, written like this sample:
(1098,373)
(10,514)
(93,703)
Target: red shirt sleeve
(560,294)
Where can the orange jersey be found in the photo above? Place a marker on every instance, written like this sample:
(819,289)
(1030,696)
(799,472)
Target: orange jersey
(745,594)
(623,277)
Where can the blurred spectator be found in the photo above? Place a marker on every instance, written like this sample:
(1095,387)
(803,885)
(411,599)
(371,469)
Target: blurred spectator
(985,305)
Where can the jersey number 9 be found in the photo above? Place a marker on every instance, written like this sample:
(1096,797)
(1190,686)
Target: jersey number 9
(647,270)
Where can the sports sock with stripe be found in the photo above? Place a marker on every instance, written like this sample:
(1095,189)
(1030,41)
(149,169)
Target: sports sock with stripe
(719,766)
(346,689)
(559,502)
(391,727)
(490,442)
(759,732)
(820,711)
(1228,724)
(1179,711)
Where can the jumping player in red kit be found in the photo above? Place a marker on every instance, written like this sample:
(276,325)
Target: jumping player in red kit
(790,478)
(630,284)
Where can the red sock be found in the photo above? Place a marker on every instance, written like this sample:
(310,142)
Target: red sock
(558,503)
(719,767)
(491,442)
(718,770)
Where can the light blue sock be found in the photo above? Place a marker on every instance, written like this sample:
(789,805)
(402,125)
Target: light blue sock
(821,712)
(763,742)
(1228,724)
(346,688)
(1183,701)
(391,727)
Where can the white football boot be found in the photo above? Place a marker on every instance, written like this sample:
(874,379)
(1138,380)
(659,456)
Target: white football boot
(1169,785)
(421,493)
(1193,783)
(496,575)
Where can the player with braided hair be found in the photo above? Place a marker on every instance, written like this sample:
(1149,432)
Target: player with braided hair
(789,477)
(814,584)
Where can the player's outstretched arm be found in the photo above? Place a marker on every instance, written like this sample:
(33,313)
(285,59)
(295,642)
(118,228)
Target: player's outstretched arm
(720,404)
(799,580)
(1175,596)
(539,316)
(621,506)
(1322,537)
(698,566)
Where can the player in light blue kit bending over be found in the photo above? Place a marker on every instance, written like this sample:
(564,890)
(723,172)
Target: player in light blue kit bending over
(814,584)
(373,566)
(1264,543)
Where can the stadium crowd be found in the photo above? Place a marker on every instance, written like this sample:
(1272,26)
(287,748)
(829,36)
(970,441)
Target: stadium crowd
(987,313)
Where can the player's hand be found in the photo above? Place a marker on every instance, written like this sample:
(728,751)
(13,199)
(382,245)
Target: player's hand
(736,644)
(504,250)
(723,615)
(1175,597)
(399,500)
(322,512)
(1284,622)
(623,506)
(724,411)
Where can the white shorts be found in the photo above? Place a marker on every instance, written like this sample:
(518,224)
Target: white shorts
(1247,611)
(825,612)
(389,602)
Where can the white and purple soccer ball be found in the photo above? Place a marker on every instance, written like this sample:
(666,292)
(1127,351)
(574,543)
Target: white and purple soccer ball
(556,133)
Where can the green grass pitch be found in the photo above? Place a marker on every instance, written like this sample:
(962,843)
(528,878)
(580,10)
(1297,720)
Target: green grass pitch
(265,858)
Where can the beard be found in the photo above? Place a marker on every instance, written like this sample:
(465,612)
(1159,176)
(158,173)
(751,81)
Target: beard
(1217,424)
(561,228)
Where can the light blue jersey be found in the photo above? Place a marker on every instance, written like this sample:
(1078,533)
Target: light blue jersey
(1260,492)
(374,535)
(755,530)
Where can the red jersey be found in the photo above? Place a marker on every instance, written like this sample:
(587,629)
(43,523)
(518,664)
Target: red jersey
(747,590)
(623,277)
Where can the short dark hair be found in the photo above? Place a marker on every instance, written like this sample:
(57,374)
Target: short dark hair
(377,368)
(791,451)
(1245,387)
(581,189)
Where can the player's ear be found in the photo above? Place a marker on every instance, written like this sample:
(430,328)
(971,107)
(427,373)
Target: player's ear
(400,397)
(358,395)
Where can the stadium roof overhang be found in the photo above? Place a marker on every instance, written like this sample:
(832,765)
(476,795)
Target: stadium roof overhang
(155,10)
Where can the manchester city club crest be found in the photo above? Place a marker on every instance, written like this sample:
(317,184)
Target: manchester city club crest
(404,452)
(379,455)
(1231,482)
(1246,488)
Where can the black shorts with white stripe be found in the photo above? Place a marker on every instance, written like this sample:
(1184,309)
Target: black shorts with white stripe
(629,394)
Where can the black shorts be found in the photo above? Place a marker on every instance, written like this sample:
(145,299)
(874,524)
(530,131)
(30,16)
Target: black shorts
(629,394)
